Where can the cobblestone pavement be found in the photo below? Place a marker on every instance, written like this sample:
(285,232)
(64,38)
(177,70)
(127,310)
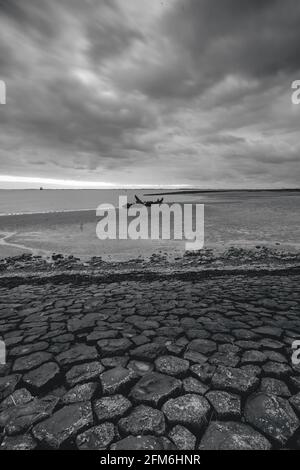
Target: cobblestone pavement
(162,364)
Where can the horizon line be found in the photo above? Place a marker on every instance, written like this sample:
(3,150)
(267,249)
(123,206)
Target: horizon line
(84,184)
(75,184)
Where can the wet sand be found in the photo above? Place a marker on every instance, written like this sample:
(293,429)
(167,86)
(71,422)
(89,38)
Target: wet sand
(74,233)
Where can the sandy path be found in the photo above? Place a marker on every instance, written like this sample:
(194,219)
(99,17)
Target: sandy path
(5,236)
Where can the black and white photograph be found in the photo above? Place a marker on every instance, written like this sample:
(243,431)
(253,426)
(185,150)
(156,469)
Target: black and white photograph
(149,229)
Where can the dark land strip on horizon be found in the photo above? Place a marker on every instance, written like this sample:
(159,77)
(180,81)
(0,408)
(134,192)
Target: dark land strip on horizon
(203,191)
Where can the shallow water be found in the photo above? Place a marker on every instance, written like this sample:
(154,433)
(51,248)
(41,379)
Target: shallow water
(231,218)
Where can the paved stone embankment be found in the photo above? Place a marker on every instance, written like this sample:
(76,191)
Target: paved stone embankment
(162,364)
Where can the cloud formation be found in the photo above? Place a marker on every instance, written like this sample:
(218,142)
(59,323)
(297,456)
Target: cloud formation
(193,92)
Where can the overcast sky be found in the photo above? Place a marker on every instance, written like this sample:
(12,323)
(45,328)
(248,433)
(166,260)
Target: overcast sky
(151,92)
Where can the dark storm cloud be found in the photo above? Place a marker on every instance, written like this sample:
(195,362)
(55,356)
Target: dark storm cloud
(211,39)
(34,16)
(178,91)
